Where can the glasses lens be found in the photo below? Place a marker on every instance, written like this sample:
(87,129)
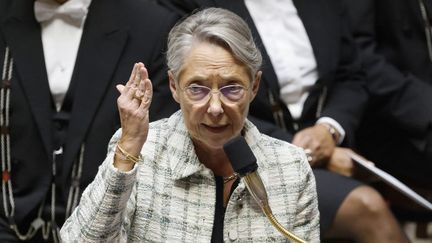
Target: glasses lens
(232,92)
(197,92)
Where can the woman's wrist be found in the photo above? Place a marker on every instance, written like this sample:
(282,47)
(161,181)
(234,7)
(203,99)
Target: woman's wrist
(132,146)
(127,154)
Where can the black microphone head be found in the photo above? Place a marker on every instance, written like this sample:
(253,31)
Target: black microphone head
(239,153)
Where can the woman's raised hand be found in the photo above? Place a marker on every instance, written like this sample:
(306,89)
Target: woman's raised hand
(133,104)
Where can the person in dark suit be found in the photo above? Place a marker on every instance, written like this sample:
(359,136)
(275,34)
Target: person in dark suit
(395,38)
(59,99)
(320,112)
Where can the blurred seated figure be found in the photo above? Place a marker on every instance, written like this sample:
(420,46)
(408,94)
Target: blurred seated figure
(170,180)
(312,94)
(395,41)
(60,63)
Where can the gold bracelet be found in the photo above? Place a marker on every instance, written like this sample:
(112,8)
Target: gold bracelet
(127,156)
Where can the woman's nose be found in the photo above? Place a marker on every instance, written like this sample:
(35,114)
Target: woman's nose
(215,104)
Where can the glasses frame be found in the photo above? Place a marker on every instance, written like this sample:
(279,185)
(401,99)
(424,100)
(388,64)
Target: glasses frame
(211,91)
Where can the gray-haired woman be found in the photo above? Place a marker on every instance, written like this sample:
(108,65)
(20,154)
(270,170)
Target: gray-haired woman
(171,181)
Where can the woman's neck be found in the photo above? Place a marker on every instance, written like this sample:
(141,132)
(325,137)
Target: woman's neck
(214,159)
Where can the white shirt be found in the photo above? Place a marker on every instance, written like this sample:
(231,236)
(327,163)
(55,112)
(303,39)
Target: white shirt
(288,46)
(60,40)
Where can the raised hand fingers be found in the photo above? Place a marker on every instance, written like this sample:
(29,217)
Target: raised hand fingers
(147,90)
(139,72)
(142,73)
(138,91)
(142,84)
(133,75)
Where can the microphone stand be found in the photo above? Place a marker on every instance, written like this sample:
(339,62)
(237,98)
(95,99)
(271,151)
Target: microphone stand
(256,188)
(244,163)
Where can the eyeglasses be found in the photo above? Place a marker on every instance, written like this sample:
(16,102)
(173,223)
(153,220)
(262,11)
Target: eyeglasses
(230,93)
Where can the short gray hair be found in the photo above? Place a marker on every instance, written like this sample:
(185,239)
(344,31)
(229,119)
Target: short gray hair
(217,26)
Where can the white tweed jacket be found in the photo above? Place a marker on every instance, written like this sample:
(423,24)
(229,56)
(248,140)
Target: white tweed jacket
(170,196)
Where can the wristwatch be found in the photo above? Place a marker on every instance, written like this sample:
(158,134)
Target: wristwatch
(332,131)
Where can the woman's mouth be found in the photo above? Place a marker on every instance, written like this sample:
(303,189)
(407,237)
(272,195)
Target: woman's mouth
(215,128)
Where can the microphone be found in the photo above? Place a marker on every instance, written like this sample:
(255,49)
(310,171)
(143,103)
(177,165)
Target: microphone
(244,163)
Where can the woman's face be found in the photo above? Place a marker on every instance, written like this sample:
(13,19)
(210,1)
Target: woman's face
(213,115)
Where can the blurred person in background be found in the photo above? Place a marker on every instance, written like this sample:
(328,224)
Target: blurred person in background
(395,40)
(60,63)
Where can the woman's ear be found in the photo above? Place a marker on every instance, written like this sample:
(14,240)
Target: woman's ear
(256,84)
(173,87)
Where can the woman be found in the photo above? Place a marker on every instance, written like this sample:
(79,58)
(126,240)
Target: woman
(311,84)
(170,180)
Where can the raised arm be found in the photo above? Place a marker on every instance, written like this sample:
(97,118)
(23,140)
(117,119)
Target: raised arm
(133,104)
(102,214)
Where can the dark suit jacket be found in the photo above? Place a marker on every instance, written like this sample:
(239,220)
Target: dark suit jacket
(340,83)
(397,132)
(116,35)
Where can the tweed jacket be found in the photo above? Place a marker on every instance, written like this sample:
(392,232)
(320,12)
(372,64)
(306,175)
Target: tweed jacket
(170,196)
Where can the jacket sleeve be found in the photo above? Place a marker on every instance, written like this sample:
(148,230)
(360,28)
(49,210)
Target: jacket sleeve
(100,215)
(346,95)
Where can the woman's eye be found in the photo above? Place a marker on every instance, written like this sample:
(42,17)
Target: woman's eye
(232,89)
(197,89)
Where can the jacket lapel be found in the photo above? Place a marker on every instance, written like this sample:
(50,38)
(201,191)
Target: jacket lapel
(428,6)
(320,33)
(23,36)
(101,46)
